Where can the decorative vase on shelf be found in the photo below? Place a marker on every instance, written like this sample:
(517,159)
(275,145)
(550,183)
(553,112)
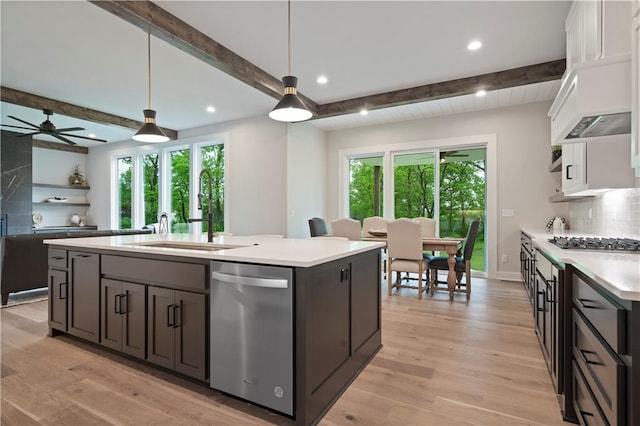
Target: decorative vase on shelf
(77,178)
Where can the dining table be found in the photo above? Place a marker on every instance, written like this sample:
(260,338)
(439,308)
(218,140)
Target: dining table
(446,244)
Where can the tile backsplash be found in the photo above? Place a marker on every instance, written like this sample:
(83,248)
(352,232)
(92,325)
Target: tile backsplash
(614,213)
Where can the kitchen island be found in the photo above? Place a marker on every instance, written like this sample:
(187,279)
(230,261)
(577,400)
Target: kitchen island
(149,297)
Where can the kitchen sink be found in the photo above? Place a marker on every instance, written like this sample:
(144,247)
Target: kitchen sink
(187,245)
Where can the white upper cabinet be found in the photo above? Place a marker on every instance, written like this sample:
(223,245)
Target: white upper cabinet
(591,168)
(635,90)
(597,29)
(594,101)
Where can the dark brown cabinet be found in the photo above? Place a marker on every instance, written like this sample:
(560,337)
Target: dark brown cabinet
(84,296)
(176,330)
(123,317)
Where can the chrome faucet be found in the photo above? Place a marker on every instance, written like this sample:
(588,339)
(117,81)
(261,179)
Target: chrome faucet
(209,218)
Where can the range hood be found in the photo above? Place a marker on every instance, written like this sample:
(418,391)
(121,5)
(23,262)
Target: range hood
(594,101)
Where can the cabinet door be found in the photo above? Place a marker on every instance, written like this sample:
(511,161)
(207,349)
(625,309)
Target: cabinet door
(58,299)
(111,318)
(574,160)
(592,29)
(327,321)
(84,295)
(365,298)
(132,307)
(160,327)
(123,318)
(574,35)
(190,334)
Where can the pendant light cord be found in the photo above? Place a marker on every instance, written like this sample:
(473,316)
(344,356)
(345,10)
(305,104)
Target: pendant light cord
(149,65)
(289,32)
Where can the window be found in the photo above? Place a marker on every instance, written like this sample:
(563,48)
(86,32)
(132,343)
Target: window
(365,187)
(212,160)
(123,167)
(179,190)
(147,183)
(414,184)
(151,185)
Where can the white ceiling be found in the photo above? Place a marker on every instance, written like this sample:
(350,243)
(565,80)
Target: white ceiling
(75,52)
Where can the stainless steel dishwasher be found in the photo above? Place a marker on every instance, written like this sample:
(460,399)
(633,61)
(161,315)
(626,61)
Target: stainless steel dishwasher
(251,353)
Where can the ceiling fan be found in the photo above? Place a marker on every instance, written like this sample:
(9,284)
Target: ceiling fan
(444,154)
(48,128)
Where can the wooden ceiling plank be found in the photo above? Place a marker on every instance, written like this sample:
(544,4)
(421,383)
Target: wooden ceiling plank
(30,100)
(530,74)
(153,19)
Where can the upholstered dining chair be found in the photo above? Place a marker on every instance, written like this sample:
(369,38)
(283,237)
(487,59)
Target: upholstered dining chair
(346,227)
(428,226)
(404,251)
(317,227)
(374,222)
(462,265)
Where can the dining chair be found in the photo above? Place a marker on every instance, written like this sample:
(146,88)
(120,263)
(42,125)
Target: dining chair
(462,265)
(428,226)
(404,250)
(329,237)
(346,227)
(317,227)
(374,222)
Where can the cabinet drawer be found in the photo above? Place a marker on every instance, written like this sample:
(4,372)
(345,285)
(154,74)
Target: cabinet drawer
(57,258)
(584,403)
(607,317)
(603,370)
(171,274)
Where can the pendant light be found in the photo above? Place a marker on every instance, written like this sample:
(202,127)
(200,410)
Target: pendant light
(150,132)
(290,108)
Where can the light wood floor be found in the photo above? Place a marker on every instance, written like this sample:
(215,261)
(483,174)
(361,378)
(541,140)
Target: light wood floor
(442,364)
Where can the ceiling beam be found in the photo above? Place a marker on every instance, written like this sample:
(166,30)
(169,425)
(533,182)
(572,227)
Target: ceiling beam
(30,100)
(153,19)
(36,143)
(531,74)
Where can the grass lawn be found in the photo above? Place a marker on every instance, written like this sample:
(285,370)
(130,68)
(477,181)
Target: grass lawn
(477,261)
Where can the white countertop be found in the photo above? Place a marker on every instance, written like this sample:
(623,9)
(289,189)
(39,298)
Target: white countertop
(262,250)
(617,272)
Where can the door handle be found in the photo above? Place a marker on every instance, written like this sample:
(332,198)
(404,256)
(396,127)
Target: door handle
(170,316)
(583,355)
(540,293)
(123,298)
(583,305)
(568,177)
(65,291)
(116,304)
(176,316)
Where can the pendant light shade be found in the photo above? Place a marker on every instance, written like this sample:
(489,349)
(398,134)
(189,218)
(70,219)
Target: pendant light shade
(290,108)
(150,132)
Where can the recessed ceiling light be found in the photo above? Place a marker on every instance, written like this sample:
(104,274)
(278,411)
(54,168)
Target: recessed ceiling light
(91,135)
(481,93)
(474,45)
(211,109)
(322,80)
(364,112)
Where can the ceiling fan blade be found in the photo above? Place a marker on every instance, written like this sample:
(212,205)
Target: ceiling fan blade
(29,134)
(83,137)
(17,127)
(62,138)
(69,129)
(25,122)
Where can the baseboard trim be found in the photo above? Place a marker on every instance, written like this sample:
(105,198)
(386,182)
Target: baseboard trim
(509,276)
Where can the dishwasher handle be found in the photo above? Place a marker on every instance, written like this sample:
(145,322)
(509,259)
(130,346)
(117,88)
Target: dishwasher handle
(252,281)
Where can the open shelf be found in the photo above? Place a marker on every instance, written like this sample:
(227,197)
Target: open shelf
(556,166)
(561,198)
(44,203)
(49,185)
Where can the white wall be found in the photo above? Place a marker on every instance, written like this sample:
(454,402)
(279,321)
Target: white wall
(523,156)
(256,178)
(306,177)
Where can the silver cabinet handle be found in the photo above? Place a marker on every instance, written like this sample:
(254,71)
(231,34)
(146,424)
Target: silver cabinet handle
(252,281)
